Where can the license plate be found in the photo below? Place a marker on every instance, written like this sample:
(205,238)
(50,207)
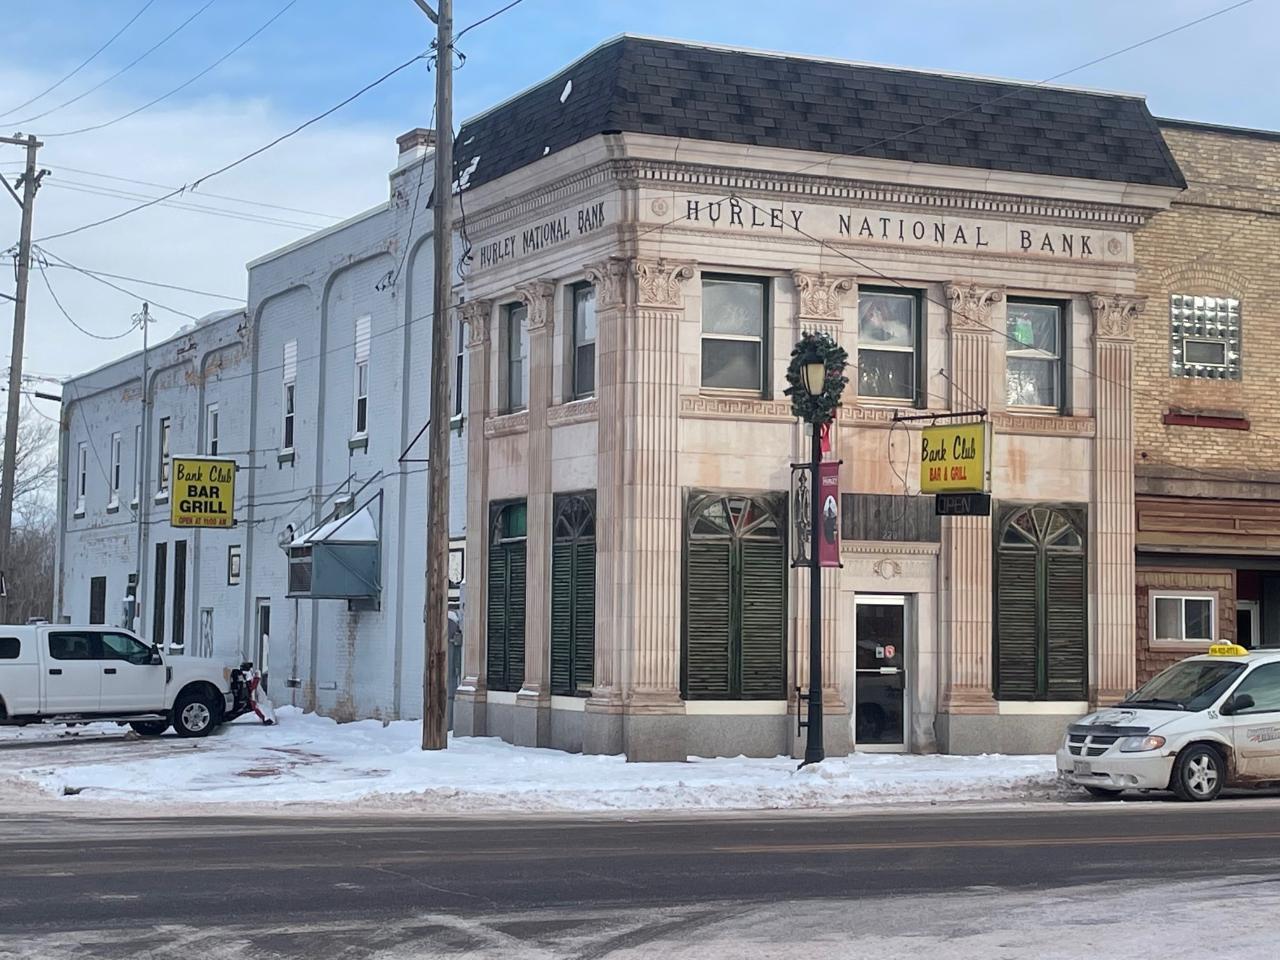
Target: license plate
(1082,769)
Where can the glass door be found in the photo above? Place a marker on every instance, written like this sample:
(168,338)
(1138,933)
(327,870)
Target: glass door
(880,625)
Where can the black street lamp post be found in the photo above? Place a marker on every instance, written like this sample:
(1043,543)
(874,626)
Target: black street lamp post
(816,378)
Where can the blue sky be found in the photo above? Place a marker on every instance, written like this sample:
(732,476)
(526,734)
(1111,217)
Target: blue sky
(319,51)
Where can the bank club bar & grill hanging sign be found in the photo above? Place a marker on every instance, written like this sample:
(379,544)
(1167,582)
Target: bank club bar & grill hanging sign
(203,492)
(955,466)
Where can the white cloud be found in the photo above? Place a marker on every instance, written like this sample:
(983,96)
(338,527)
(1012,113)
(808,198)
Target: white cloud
(337,167)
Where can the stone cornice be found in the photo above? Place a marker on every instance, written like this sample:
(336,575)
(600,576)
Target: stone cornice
(820,296)
(971,305)
(475,317)
(575,411)
(1114,315)
(609,276)
(507,424)
(1039,426)
(891,548)
(713,407)
(537,296)
(660,283)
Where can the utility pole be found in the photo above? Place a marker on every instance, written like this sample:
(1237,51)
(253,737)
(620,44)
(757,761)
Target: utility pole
(30,183)
(144,319)
(435,694)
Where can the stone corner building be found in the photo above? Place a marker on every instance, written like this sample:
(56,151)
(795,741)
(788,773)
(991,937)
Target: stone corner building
(649,232)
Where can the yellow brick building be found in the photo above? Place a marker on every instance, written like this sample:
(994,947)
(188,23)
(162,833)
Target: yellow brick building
(1206,403)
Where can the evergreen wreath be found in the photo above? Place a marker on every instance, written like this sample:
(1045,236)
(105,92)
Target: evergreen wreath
(814,347)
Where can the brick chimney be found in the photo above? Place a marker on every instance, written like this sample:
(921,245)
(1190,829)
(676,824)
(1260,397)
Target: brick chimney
(415,143)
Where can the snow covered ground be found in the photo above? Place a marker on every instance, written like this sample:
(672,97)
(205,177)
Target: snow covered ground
(307,759)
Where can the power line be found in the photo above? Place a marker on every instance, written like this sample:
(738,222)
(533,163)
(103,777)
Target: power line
(63,310)
(84,63)
(235,163)
(131,293)
(182,86)
(148,283)
(128,66)
(483,20)
(116,194)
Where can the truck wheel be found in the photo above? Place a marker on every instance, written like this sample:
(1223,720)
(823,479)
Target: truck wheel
(194,715)
(1198,773)
(149,728)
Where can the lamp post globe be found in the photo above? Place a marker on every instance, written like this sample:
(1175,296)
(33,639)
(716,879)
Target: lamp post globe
(815,377)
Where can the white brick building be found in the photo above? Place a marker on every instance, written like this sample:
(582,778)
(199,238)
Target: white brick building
(319,392)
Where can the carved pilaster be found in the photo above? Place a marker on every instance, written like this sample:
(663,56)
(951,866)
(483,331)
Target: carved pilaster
(1112,543)
(476,315)
(660,283)
(819,297)
(609,277)
(971,305)
(1114,315)
(539,297)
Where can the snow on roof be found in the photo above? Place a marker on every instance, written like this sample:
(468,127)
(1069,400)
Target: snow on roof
(358,527)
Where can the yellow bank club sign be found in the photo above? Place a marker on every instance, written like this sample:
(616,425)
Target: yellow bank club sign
(953,458)
(203,492)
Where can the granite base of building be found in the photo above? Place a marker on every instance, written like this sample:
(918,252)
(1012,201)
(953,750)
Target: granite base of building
(972,734)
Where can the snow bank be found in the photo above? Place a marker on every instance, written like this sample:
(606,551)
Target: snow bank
(307,759)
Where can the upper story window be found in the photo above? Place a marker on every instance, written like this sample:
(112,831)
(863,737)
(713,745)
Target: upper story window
(164,455)
(137,463)
(890,345)
(516,343)
(735,317)
(211,429)
(583,301)
(1204,337)
(360,413)
(459,353)
(82,475)
(114,476)
(1035,354)
(287,396)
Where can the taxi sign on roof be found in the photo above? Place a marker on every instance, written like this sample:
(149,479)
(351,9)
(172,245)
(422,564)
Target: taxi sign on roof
(1227,650)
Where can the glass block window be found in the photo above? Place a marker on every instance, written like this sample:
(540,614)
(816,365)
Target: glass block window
(1204,337)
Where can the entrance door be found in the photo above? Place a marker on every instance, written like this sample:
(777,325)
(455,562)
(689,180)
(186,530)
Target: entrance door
(880,626)
(262,654)
(1247,623)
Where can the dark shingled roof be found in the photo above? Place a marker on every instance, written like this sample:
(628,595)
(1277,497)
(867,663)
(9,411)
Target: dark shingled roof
(638,85)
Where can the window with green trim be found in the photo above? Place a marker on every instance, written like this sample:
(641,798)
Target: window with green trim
(573,594)
(1042,637)
(506,587)
(735,598)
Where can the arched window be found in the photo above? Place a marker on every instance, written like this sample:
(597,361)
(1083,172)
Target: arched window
(735,598)
(505,632)
(573,594)
(1042,637)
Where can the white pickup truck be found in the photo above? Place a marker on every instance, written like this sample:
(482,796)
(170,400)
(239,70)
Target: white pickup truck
(54,673)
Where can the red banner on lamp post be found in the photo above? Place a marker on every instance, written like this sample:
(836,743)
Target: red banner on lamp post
(828,493)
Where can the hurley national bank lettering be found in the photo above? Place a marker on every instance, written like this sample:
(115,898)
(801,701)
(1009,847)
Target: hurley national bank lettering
(543,234)
(888,227)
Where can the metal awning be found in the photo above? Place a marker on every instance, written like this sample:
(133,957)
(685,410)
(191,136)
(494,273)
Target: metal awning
(358,527)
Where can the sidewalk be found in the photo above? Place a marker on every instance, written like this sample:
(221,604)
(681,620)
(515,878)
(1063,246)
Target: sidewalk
(307,759)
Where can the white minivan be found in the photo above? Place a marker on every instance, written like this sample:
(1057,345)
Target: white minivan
(63,673)
(1204,723)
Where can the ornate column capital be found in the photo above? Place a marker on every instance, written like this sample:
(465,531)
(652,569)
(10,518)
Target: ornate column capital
(609,277)
(475,317)
(1114,315)
(659,282)
(820,295)
(537,295)
(971,305)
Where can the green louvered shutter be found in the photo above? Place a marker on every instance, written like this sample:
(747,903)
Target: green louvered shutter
(708,602)
(1017,630)
(496,633)
(763,615)
(584,616)
(515,614)
(562,610)
(1066,633)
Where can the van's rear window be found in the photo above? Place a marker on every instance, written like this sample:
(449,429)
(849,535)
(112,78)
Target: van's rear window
(9,648)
